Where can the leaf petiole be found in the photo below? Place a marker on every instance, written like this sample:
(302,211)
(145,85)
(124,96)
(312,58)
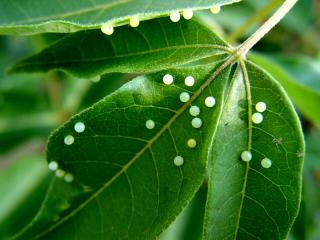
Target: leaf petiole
(265,28)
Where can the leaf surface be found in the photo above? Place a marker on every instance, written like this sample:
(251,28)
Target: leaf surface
(155,45)
(30,17)
(126,185)
(245,200)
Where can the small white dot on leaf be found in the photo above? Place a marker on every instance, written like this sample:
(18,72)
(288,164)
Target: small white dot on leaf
(184,97)
(189,81)
(60,173)
(69,139)
(79,127)
(246,156)
(167,79)
(266,163)
(192,143)
(175,16)
(68,178)
(134,21)
(187,14)
(107,29)
(53,166)
(150,124)
(257,118)
(178,161)
(196,123)
(194,111)
(215,9)
(261,107)
(210,101)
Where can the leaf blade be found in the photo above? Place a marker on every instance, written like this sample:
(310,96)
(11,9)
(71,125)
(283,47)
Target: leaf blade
(96,53)
(164,192)
(255,203)
(66,16)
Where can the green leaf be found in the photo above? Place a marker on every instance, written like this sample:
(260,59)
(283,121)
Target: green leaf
(126,185)
(299,77)
(22,94)
(17,129)
(188,225)
(245,200)
(23,17)
(22,187)
(154,45)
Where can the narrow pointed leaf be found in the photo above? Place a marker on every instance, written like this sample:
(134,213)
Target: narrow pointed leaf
(246,200)
(154,45)
(126,185)
(30,17)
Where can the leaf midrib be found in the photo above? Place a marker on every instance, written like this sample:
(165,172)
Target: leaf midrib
(249,99)
(229,60)
(88,60)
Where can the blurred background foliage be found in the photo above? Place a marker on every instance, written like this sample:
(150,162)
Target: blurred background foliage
(32,105)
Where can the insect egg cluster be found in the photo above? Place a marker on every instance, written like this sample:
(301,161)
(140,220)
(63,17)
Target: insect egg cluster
(194,110)
(257,117)
(175,16)
(79,127)
(246,156)
(54,166)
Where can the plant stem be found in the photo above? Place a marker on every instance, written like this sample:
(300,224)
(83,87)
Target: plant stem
(265,28)
(257,18)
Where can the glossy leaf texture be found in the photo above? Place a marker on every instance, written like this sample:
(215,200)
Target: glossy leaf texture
(246,200)
(126,184)
(21,17)
(155,45)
